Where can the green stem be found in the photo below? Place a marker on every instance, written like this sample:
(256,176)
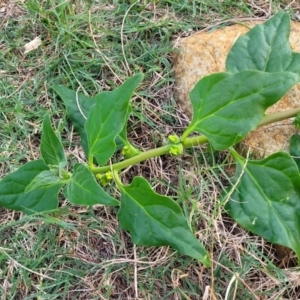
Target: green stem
(271,118)
(186,142)
(117,179)
(133,160)
(90,161)
(194,141)
(186,133)
(189,142)
(234,154)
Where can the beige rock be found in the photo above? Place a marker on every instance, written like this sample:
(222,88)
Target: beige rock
(205,53)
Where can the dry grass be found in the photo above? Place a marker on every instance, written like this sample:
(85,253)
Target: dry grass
(83,254)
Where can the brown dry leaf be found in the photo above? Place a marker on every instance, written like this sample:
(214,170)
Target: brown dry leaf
(34,44)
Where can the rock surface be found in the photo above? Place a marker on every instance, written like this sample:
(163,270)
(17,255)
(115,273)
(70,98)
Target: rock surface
(204,53)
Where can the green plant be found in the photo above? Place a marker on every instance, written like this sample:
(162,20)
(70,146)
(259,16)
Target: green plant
(261,68)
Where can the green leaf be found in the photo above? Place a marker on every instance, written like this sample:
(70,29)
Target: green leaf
(266,200)
(122,141)
(227,106)
(13,186)
(266,48)
(78,106)
(83,189)
(295,148)
(107,118)
(51,147)
(156,220)
(45,178)
(296,121)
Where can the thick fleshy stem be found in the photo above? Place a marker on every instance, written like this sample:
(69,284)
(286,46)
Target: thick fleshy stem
(187,143)
(133,160)
(283,115)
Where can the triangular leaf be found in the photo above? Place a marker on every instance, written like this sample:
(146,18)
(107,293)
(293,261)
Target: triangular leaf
(227,106)
(107,118)
(122,141)
(83,189)
(45,178)
(51,147)
(156,220)
(266,199)
(78,106)
(265,48)
(13,186)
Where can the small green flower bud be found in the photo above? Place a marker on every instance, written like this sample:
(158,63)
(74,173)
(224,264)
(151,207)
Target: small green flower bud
(174,139)
(125,150)
(130,151)
(176,149)
(109,175)
(65,174)
(105,179)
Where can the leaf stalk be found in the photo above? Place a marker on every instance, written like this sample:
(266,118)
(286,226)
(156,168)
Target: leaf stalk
(283,115)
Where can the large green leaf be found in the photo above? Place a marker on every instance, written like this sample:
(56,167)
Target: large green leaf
(107,118)
(266,199)
(78,107)
(156,220)
(227,106)
(13,186)
(265,48)
(83,189)
(51,147)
